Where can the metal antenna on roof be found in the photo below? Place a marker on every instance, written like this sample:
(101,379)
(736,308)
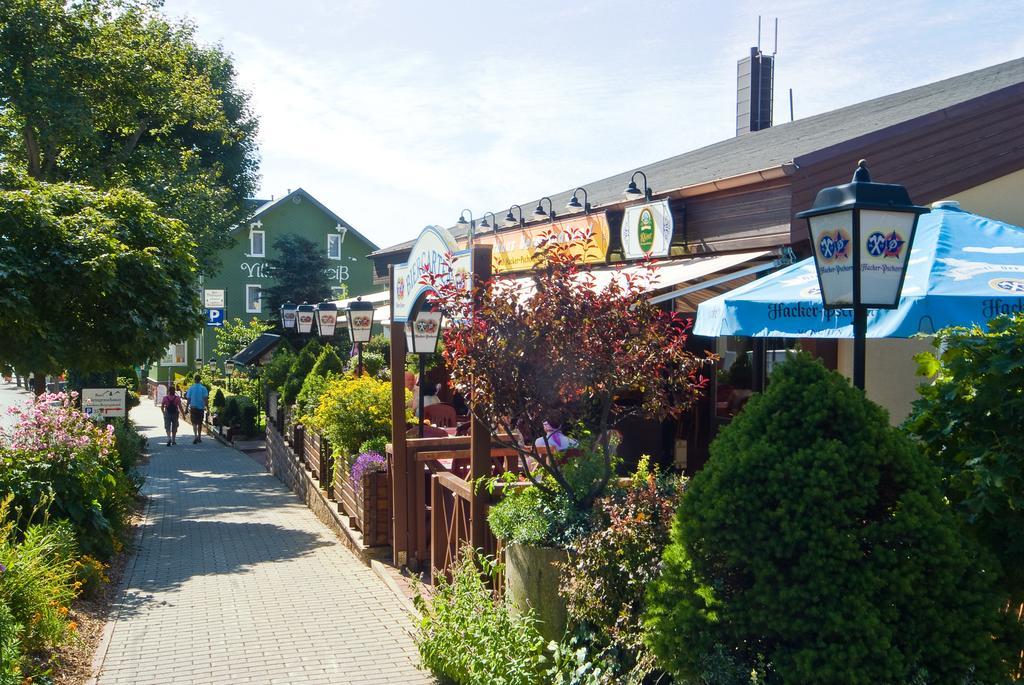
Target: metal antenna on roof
(759,33)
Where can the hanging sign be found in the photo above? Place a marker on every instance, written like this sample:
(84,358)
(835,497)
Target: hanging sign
(103,403)
(429,255)
(586,235)
(647,230)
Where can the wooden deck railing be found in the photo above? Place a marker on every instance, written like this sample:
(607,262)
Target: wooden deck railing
(440,497)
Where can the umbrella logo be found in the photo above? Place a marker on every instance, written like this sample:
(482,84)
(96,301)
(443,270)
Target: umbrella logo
(834,246)
(880,245)
(1009,285)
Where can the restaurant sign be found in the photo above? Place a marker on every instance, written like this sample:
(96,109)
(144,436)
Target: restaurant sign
(586,235)
(430,255)
(647,230)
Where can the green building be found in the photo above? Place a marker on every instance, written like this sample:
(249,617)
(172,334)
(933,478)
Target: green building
(236,291)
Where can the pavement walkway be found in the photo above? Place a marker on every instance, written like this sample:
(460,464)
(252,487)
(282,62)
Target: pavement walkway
(236,581)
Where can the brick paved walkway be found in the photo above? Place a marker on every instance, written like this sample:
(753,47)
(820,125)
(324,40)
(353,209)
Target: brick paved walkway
(236,581)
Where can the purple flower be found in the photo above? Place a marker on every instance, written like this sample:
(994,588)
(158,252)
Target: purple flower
(367,462)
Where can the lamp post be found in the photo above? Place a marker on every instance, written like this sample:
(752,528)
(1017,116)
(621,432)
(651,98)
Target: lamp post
(360,326)
(229,372)
(633,192)
(470,226)
(574,203)
(421,334)
(861,234)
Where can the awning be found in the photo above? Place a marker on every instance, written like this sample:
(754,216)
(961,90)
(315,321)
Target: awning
(257,350)
(668,274)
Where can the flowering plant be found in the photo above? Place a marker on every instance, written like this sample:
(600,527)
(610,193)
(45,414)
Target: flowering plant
(56,455)
(367,462)
(353,410)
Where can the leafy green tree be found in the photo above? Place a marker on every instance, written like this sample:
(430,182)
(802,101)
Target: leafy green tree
(971,422)
(816,547)
(300,273)
(89,279)
(110,94)
(235,335)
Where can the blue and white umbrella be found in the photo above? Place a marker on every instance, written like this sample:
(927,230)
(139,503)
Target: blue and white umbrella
(964,269)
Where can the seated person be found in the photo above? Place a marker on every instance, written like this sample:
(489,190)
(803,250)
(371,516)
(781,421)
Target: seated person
(429,397)
(557,441)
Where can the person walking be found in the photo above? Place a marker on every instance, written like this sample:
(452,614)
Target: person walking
(196,396)
(171,407)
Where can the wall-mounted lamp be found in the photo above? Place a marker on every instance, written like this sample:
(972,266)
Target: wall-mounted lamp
(487,226)
(633,192)
(574,203)
(511,220)
(539,213)
(470,225)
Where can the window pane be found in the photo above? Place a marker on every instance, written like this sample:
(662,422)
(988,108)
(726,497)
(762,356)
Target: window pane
(252,298)
(256,243)
(334,247)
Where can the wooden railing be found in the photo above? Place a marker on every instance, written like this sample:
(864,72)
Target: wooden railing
(317,457)
(441,496)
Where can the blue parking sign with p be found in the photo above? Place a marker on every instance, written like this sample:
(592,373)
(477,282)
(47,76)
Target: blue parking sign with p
(215,316)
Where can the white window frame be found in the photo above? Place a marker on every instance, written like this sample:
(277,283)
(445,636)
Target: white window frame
(175,355)
(249,308)
(334,238)
(263,244)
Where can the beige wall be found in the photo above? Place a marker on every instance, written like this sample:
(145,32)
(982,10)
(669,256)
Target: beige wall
(1002,199)
(889,373)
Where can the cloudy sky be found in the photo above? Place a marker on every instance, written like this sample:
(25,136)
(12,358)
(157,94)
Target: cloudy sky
(400,114)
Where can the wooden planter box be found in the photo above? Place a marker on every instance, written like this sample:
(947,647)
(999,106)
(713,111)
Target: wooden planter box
(369,511)
(373,509)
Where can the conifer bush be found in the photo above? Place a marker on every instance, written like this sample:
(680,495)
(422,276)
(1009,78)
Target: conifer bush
(815,547)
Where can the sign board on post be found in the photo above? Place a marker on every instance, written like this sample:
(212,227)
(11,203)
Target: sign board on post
(430,254)
(215,317)
(213,299)
(104,403)
(647,230)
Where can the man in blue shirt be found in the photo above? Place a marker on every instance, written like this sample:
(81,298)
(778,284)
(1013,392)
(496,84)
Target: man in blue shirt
(197,396)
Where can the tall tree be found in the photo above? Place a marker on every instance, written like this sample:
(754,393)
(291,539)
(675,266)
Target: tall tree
(110,94)
(126,154)
(300,273)
(90,280)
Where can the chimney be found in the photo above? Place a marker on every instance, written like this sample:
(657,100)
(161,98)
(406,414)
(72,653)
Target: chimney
(754,76)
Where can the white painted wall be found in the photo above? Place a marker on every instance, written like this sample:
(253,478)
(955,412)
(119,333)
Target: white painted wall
(889,374)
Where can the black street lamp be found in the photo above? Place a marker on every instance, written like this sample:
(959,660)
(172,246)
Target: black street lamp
(861,234)
(360,326)
(326,319)
(421,335)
